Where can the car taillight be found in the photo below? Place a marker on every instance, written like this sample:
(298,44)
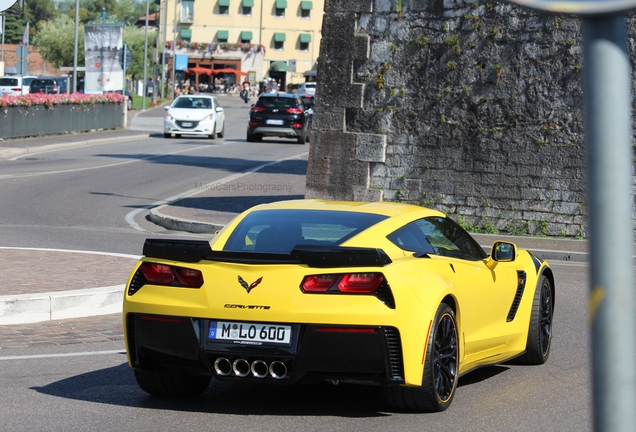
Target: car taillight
(294,110)
(253,123)
(161,274)
(297,125)
(16,89)
(360,282)
(189,277)
(257,109)
(318,283)
(349,283)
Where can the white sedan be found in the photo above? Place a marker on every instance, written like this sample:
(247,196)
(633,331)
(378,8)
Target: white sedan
(195,114)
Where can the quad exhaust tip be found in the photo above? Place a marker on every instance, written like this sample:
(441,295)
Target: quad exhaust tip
(242,368)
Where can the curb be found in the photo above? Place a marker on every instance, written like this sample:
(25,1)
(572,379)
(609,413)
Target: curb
(31,308)
(180,224)
(10,152)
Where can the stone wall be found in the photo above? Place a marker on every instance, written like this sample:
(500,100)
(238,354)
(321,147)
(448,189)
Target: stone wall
(472,108)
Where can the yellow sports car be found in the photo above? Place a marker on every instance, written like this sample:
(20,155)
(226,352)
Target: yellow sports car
(307,290)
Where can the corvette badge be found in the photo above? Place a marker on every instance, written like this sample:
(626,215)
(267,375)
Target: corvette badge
(251,286)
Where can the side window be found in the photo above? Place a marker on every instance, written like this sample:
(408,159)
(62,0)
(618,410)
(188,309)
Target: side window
(437,236)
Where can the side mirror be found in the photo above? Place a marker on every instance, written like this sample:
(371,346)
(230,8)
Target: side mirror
(503,251)
(219,109)
(167,107)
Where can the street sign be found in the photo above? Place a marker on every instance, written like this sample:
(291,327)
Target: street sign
(125,62)
(6,4)
(22,67)
(578,7)
(22,51)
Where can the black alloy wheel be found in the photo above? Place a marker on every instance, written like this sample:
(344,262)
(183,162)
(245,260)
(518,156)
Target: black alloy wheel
(540,329)
(445,357)
(441,366)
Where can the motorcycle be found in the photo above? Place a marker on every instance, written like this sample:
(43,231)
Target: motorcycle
(245,95)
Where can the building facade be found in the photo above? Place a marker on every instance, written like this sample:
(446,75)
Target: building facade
(264,39)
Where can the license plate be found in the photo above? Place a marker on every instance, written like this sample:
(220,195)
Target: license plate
(250,333)
(275,122)
(186,124)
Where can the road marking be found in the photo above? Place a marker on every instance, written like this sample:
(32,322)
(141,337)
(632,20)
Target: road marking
(39,356)
(130,217)
(37,174)
(74,251)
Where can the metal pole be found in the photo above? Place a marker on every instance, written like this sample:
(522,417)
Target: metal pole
(164,19)
(144,87)
(75,46)
(3,21)
(607,80)
(174,48)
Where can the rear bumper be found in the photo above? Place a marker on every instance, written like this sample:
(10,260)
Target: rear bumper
(162,342)
(275,131)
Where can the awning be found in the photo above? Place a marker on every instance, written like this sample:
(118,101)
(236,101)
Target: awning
(248,3)
(224,2)
(310,73)
(304,38)
(279,37)
(222,35)
(278,66)
(185,33)
(281,4)
(246,35)
(306,5)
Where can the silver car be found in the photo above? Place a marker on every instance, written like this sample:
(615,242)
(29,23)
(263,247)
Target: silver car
(194,115)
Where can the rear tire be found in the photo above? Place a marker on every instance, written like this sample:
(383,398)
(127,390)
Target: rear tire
(439,380)
(250,137)
(172,383)
(300,140)
(177,135)
(540,330)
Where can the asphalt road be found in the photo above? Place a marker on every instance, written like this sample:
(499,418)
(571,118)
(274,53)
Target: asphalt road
(90,387)
(89,198)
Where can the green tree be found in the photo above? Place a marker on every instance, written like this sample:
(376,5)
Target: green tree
(15,26)
(55,40)
(134,37)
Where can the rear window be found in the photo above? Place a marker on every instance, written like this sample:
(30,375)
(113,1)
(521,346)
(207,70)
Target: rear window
(310,85)
(281,230)
(8,82)
(276,102)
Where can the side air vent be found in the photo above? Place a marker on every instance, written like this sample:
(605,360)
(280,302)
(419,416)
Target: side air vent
(132,343)
(394,348)
(137,282)
(385,295)
(521,285)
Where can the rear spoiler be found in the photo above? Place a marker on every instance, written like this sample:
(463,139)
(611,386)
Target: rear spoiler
(313,256)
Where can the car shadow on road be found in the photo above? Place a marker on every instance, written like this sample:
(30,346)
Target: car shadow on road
(117,386)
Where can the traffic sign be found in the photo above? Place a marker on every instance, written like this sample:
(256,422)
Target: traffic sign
(22,67)
(125,57)
(22,51)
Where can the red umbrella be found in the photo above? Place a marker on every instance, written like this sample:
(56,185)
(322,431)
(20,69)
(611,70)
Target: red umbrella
(228,70)
(199,71)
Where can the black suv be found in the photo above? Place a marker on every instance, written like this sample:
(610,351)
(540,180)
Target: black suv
(279,115)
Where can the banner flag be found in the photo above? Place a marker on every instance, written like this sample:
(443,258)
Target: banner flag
(25,37)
